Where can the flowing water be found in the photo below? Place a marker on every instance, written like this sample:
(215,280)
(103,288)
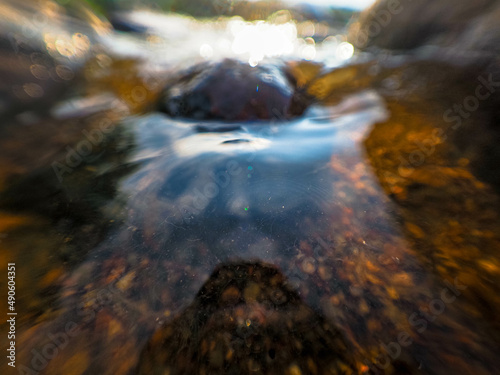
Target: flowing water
(116,215)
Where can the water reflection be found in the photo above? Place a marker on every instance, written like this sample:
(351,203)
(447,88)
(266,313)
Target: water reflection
(251,41)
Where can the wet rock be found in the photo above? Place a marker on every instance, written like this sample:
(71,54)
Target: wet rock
(404,26)
(246,318)
(233,91)
(457,49)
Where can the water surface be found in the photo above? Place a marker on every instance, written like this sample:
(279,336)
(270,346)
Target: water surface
(116,216)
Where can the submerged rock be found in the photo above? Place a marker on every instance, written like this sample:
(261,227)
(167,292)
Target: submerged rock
(233,91)
(247,319)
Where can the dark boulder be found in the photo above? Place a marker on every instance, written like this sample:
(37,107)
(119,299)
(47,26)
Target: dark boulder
(231,90)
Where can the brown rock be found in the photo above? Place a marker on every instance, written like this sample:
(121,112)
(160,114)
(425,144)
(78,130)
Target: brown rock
(217,335)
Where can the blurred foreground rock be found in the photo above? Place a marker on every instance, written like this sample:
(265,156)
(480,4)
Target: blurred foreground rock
(446,52)
(404,25)
(247,319)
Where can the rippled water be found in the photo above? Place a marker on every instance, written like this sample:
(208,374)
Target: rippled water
(116,215)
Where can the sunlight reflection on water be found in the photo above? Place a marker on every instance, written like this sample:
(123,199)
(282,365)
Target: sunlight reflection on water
(230,37)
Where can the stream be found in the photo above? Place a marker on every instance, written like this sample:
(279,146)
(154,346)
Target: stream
(140,239)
